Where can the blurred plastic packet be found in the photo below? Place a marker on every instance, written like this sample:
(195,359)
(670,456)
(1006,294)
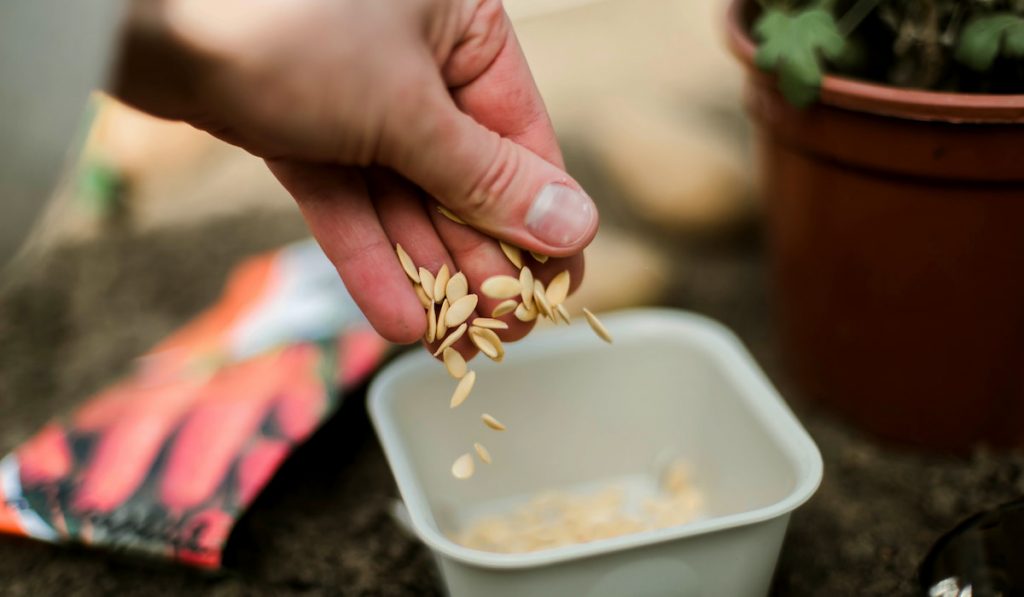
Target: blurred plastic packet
(165,461)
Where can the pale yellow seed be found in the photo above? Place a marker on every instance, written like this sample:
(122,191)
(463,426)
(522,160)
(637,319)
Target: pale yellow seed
(489,323)
(563,314)
(442,327)
(597,326)
(526,286)
(525,314)
(441,283)
(455,363)
(540,258)
(488,342)
(541,299)
(500,287)
(427,282)
(504,308)
(407,264)
(460,310)
(482,452)
(424,299)
(457,287)
(451,339)
(431,325)
(463,389)
(444,211)
(492,422)
(514,254)
(558,289)
(463,467)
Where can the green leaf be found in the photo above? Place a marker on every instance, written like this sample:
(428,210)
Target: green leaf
(793,44)
(983,38)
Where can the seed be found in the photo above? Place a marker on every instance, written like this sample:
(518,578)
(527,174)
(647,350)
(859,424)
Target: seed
(463,467)
(487,322)
(457,287)
(482,452)
(526,286)
(500,287)
(541,299)
(488,342)
(407,264)
(431,325)
(558,288)
(463,389)
(492,422)
(424,299)
(524,314)
(597,326)
(504,308)
(442,327)
(441,283)
(444,211)
(540,258)
(427,282)
(454,362)
(460,310)
(514,254)
(563,314)
(451,339)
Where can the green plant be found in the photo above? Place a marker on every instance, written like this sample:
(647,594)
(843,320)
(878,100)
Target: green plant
(953,45)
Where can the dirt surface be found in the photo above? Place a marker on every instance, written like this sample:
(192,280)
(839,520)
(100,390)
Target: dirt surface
(71,323)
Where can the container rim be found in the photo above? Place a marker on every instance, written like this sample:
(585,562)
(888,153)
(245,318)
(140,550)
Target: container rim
(763,400)
(885,100)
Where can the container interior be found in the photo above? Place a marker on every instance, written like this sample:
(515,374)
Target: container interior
(580,412)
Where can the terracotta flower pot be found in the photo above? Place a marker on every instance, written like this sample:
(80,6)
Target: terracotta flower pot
(895,221)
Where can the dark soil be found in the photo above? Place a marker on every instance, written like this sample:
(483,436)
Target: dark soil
(72,321)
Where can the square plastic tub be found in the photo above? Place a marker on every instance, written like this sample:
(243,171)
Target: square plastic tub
(580,412)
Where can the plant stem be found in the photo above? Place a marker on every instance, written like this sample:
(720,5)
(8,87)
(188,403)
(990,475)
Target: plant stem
(855,15)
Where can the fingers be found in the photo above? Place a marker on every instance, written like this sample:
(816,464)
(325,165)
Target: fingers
(337,208)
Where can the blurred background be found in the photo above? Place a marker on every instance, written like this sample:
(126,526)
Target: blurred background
(647,102)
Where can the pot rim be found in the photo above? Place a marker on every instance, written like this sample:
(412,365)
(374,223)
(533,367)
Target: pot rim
(886,100)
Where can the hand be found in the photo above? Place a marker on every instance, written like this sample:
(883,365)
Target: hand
(359,107)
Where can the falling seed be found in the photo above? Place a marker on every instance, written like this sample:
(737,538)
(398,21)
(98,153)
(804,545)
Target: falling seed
(488,342)
(526,286)
(514,254)
(442,327)
(500,287)
(444,211)
(427,282)
(422,296)
(463,389)
(441,283)
(558,289)
(541,299)
(407,264)
(454,362)
(463,467)
(504,308)
(597,326)
(489,323)
(431,325)
(525,314)
(451,339)
(492,422)
(539,258)
(460,310)
(482,452)
(457,287)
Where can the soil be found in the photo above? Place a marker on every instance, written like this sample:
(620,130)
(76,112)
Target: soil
(71,322)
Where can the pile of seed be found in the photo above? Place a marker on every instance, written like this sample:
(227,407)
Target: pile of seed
(555,519)
(449,306)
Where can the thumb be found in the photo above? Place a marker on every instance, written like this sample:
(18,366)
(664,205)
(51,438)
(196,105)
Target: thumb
(494,184)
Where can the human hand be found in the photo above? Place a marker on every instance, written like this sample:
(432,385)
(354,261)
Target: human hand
(358,108)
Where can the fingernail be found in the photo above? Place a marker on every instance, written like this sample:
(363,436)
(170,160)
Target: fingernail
(560,216)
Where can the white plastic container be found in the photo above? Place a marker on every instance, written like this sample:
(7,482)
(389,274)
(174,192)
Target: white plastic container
(578,411)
